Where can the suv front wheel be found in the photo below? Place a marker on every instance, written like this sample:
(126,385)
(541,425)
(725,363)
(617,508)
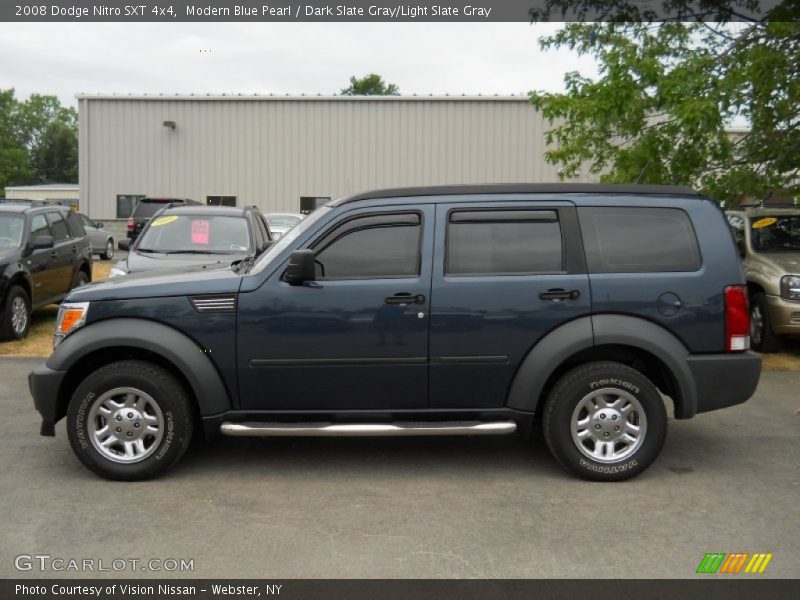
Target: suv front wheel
(129,420)
(605,421)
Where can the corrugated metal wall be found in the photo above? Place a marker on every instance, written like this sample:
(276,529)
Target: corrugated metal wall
(269,151)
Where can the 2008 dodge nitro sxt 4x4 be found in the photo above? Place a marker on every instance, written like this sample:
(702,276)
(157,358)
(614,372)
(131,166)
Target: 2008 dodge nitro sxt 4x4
(425,311)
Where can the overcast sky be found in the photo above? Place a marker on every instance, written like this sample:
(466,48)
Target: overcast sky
(294,58)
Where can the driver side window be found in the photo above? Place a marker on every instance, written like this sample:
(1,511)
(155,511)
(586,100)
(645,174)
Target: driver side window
(371,247)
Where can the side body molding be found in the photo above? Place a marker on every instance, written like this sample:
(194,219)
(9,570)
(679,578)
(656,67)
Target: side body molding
(198,369)
(545,357)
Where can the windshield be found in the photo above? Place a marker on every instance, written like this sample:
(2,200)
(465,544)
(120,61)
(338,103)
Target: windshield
(776,233)
(11,231)
(287,221)
(203,234)
(287,238)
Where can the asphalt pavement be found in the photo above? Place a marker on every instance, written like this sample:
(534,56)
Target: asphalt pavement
(727,481)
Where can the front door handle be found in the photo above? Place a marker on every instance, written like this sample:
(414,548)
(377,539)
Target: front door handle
(557,294)
(54,254)
(405,298)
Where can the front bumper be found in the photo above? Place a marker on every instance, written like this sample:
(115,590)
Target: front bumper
(784,315)
(723,380)
(45,384)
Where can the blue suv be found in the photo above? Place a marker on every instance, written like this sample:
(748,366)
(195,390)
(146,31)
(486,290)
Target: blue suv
(456,310)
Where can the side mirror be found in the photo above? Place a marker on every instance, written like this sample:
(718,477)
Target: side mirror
(98,225)
(124,244)
(301,267)
(41,242)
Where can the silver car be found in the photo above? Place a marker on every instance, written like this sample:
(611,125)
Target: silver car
(101,240)
(280,223)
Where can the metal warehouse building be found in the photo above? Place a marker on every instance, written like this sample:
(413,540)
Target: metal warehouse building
(272,150)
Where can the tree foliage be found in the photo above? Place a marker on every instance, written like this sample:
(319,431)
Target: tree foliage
(38,140)
(667,92)
(370,85)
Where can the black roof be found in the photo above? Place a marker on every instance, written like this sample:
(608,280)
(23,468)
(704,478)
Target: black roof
(521,188)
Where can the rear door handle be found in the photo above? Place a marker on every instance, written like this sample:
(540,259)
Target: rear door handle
(405,298)
(54,254)
(557,294)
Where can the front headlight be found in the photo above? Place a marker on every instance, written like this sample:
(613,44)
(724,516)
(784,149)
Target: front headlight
(790,287)
(71,316)
(115,272)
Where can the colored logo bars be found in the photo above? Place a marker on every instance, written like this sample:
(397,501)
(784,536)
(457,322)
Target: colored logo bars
(736,562)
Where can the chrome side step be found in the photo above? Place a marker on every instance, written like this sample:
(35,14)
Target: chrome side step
(368,429)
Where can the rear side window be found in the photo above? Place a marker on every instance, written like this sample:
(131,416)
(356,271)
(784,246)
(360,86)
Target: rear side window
(371,247)
(638,240)
(58,227)
(503,242)
(75,224)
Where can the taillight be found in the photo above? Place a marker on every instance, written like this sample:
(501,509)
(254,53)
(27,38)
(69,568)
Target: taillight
(737,319)
(131,224)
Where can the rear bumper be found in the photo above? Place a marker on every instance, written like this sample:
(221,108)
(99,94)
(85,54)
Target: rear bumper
(723,380)
(44,384)
(784,315)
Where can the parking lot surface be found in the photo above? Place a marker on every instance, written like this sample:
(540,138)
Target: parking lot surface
(727,481)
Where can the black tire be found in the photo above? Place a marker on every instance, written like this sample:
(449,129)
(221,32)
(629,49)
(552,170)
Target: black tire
(762,337)
(109,253)
(81,279)
(162,387)
(573,389)
(8,331)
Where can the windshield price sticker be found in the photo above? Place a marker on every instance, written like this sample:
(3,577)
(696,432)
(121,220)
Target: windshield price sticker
(200,232)
(765,222)
(164,220)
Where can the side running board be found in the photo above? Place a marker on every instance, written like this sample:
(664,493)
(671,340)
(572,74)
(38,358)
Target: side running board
(368,429)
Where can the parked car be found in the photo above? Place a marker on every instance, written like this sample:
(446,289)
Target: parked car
(280,223)
(769,245)
(44,253)
(101,241)
(146,208)
(581,304)
(181,236)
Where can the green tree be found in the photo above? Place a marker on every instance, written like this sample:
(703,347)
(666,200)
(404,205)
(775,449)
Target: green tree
(666,93)
(15,164)
(56,155)
(370,85)
(38,140)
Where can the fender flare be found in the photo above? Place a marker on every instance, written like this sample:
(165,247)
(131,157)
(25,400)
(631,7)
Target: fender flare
(185,354)
(599,330)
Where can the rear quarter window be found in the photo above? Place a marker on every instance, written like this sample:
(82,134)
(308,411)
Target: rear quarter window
(638,240)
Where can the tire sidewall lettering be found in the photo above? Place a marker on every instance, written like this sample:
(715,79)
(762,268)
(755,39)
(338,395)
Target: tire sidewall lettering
(610,469)
(168,437)
(80,419)
(615,382)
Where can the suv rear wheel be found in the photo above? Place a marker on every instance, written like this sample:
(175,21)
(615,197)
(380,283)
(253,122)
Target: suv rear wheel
(129,420)
(761,335)
(605,421)
(16,315)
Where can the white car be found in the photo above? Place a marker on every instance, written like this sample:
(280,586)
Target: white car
(280,223)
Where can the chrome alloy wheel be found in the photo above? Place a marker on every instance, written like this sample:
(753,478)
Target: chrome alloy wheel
(608,425)
(756,324)
(109,250)
(126,425)
(19,315)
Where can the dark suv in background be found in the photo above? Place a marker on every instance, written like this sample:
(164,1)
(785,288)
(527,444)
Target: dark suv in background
(44,253)
(463,310)
(146,208)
